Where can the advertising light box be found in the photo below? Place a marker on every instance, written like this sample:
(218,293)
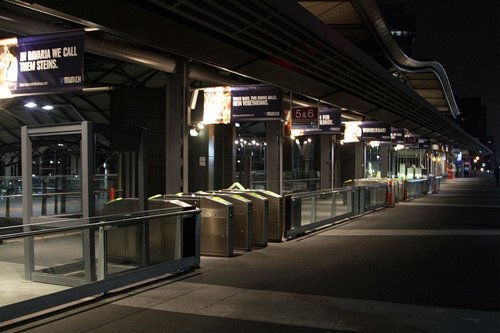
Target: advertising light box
(42,63)
(256,103)
(223,105)
(217,105)
(352,131)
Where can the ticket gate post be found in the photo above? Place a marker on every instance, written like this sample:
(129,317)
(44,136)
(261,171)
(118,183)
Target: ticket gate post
(242,218)
(275,215)
(166,233)
(216,223)
(260,210)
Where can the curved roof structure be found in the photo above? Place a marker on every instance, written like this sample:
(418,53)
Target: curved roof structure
(272,41)
(362,23)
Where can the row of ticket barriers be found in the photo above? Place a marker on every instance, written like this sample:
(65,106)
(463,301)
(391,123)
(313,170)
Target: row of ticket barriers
(232,219)
(242,219)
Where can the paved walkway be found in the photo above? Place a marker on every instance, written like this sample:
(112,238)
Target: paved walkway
(429,265)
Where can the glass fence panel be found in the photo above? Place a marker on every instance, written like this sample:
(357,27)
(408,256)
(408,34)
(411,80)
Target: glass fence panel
(57,203)
(55,194)
(11,206)
(59,254)
(13,287)
(342,203)
(324,205)
(165,239)
(308,210)
(123,248)
(375,196)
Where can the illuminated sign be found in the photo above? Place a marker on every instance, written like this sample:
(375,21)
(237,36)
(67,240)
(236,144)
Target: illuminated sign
(352,131)
(217,105)
(43,63)
(305,118)
(223,105)
(397,136)
(330,122)
(411,141)
(256,103)
(375,130)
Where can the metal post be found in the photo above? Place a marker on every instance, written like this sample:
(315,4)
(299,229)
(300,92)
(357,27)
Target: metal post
(27,167)
(185,134)
(143,202)
(88,200)
(102,270)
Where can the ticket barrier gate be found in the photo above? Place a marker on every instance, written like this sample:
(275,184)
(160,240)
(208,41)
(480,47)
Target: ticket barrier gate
(276,213)
(260,212)
(242,218)
(166,236)
(216,223)
(124,243)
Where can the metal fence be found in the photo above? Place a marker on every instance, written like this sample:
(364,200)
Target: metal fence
(126,249)
(308,211)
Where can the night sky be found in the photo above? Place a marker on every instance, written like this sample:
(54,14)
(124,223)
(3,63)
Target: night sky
(464,36)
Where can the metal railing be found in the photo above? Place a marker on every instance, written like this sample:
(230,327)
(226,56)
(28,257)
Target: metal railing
(308,211)
(124,249)
(414,188)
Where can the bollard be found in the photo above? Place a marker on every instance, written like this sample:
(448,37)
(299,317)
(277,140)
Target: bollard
(390,195)
(111,194)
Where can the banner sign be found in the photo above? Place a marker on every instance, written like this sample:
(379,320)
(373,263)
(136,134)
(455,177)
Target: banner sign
(411,141)
(375,131)
(305,118)
(330,122)
(397,135)
(256,103)
(223,105)
(424,143)
(49,63)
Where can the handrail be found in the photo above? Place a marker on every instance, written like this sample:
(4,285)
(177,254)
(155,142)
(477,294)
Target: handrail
(320,192)
(308,211)
(87,225)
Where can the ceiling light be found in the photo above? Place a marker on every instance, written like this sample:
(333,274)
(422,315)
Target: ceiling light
(30,105)
(47,107)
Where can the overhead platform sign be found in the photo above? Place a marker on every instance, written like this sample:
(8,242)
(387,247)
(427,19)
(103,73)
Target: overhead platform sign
(42,64)
(242,103)
(330,122)
(375,130)
(397,135)
(305,118)
(256,103)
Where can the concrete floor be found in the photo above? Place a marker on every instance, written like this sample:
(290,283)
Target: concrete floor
(429,265)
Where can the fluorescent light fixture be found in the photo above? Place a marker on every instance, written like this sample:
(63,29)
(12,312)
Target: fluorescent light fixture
(48,107)
(194,99)
(30,105)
